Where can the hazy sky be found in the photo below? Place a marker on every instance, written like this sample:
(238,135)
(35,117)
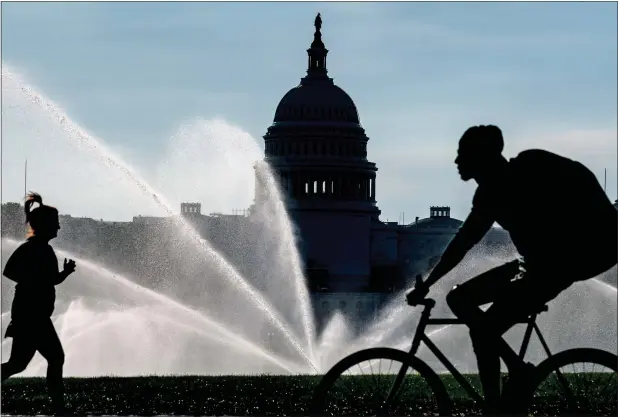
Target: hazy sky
(179,90)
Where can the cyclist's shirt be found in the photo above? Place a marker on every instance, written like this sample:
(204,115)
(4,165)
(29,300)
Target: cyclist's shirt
(554,209)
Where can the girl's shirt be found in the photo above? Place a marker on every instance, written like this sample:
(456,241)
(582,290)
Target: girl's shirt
(34,267)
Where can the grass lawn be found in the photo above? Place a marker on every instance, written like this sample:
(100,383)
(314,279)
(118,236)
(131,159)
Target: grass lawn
(214,396)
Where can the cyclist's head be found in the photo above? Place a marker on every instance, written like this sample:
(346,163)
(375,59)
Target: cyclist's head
(479,147)
(43,220)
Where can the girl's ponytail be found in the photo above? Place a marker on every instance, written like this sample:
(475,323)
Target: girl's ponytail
(31,198)
(42,218)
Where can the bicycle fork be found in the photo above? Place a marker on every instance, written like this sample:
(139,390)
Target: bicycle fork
(404,367)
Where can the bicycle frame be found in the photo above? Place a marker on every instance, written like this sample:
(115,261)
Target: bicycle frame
(420,336)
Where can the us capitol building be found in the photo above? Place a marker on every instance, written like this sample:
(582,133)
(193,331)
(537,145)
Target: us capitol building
(317,149)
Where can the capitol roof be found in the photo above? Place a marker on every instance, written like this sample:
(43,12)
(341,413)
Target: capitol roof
(317,98)
(439,217)
(443,222)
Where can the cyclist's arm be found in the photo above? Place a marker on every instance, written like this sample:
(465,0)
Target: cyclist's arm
(471,232)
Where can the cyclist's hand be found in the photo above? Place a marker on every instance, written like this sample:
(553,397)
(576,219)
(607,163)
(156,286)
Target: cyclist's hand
(418,294)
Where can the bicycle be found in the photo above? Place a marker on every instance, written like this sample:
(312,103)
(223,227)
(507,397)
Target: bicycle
(517,396)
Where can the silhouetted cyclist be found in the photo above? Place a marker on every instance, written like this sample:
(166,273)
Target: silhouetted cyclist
(559,219)
(34,267)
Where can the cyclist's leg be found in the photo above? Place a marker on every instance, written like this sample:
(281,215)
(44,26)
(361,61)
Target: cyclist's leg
(465,301)
(521,298)
(480,290)
(539,285)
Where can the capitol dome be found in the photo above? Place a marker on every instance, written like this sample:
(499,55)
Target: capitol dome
(317,98)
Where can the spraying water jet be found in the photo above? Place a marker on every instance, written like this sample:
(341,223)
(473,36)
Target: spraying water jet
(93,145)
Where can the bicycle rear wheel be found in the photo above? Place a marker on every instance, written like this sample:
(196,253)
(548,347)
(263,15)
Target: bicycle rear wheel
(575,382)
(360,383)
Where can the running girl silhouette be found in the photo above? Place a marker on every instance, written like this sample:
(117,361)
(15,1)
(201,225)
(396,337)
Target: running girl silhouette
(34,267)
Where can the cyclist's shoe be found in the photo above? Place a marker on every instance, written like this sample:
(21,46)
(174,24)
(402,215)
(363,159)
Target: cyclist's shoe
(524,374)
(514,387)
(520,376)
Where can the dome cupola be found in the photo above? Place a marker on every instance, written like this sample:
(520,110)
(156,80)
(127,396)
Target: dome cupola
(316,98)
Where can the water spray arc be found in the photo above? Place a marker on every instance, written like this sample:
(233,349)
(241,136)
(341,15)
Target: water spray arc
(227,336)
(93,145)
(299,278)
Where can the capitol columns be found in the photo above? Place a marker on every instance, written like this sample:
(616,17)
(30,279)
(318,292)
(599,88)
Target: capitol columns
(365,187)
(373,187)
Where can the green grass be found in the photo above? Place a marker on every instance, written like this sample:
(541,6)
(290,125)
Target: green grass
(223,395)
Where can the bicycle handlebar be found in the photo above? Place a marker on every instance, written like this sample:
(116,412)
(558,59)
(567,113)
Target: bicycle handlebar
(427,302)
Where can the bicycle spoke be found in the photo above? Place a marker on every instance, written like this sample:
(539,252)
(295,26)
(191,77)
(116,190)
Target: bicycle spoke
(363,389)
(583,389)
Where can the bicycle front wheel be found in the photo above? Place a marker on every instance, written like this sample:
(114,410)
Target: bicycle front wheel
(360,384)
(575,382)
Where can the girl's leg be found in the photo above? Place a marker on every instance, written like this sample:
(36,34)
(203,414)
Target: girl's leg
(22,352)
(51,349)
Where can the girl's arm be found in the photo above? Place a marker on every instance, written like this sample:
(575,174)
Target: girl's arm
(61,276)
(69,268)
(57,276)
